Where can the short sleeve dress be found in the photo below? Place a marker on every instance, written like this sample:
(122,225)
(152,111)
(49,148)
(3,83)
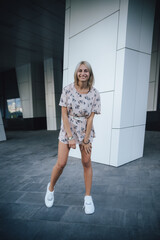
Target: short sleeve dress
(79,105)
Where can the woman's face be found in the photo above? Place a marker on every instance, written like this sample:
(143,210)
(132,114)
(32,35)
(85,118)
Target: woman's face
(83,73)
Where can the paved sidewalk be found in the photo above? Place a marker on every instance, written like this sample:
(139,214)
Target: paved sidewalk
(127,199)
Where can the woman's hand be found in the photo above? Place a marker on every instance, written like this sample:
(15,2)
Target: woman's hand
(72,144)
(87,147)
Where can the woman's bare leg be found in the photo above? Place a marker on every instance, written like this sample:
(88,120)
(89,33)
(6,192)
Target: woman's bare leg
(63,151)
(87,166)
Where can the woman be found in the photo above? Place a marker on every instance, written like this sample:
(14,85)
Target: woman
(79,102)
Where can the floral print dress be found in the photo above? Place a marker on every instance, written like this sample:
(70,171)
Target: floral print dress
(79,105)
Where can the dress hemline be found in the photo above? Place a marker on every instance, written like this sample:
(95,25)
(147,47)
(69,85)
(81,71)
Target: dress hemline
(77,143)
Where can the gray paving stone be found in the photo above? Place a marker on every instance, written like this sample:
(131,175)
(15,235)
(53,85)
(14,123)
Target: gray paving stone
(81,231)
(148,234)
(11,197)
(131,219)
(69,199)
(54,213)
(74,231)
(17,211)
(53,230)
(147,200)
(32,198)
(132,192)
(99,188)
(148,219)
(127,198)
(116,201)
(108,217)
(2,193)
(34,187)
(19,229)
(117,189)
(70,188)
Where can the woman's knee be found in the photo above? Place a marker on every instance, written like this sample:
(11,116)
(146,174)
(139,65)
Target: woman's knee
(63,151)
(86,162)
(61,165)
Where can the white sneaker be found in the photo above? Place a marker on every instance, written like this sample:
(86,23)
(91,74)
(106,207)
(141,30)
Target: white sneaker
(49,198)
(88,205)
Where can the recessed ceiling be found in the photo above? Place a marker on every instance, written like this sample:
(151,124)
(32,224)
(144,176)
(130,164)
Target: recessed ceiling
(30,30)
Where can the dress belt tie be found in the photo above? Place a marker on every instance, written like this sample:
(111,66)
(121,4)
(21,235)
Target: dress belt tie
(78,118)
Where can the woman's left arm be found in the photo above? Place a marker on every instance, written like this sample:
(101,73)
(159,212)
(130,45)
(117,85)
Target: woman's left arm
(86,143)
(89,127)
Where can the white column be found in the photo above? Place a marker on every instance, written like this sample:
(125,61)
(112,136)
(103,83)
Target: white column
(53,75)
(155,66)
(91,34)
(30,78)
(131,81)
(2,132)
(115,37)
(38,90)
(58,75)
(24,80)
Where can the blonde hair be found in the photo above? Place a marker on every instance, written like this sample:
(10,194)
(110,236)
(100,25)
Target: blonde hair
(91,78)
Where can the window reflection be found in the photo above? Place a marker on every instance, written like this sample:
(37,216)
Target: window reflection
(14,108)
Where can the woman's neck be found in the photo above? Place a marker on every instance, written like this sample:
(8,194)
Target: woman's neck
(82,85)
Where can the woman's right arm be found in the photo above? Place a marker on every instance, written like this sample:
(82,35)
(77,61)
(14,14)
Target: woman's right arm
(72,143)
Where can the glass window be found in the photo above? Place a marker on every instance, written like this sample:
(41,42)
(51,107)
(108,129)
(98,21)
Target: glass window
(14,108)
